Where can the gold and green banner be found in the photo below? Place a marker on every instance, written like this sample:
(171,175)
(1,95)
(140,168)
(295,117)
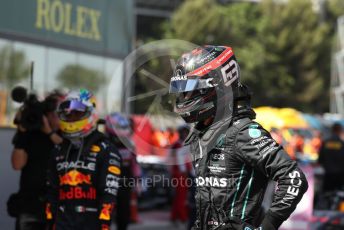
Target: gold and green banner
(103,27)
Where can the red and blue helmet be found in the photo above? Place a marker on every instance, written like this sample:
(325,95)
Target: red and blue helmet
(118,125)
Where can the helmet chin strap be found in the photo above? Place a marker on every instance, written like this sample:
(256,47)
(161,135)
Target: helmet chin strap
(242,103)
(218,114)
(201,125)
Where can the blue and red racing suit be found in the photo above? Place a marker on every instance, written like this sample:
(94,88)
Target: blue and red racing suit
(83,183)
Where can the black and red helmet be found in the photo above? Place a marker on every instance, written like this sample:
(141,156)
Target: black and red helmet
(205,82)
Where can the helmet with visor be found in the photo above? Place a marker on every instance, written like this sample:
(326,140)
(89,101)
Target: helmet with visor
(205,83)
(77,114)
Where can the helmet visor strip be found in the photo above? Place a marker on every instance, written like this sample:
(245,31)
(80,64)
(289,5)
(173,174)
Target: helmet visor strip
(73,110)
(188,85)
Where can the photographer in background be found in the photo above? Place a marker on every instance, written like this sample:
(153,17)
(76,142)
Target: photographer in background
(35,138)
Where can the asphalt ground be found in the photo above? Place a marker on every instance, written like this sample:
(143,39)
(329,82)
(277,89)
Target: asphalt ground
(154,220)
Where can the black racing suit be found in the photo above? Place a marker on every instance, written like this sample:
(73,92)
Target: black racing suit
(234,160)
(83,184)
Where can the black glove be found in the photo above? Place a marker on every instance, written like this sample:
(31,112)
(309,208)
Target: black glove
(270,222)
(267,225)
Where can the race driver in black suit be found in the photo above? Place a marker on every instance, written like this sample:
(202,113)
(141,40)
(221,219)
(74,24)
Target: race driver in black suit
(84,170)
(233,156)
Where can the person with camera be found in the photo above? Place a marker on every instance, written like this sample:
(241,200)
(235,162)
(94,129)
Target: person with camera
(83,171)
(33,143)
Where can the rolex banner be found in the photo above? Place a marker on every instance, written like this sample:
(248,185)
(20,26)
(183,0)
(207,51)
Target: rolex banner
(98,26)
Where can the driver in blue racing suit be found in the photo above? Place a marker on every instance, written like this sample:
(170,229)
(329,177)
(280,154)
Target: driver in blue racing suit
(84,170)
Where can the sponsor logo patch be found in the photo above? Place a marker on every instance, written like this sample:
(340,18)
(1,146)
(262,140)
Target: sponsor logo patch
(111,181)
(91,159)
(218,156)
(95,149)
(74,178)
(211,182)
(76,165)
(105,213)
(216,169)
(58,158)
(179,78)
(114,162)
(48,212)
(254,132)
(112,191)
(293,189)
(115,170)
(76,193)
